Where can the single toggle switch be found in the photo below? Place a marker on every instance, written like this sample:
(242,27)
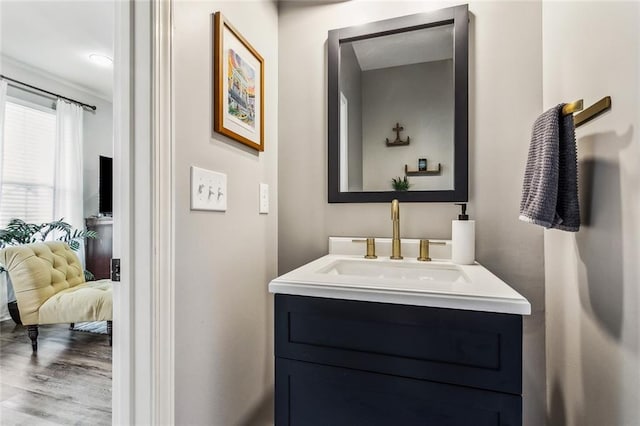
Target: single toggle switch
(263,207)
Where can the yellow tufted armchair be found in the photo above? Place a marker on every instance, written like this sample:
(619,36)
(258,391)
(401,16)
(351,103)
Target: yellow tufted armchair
(48,281)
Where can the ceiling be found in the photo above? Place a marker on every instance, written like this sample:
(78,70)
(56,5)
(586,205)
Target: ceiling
(57,37)
(406,48)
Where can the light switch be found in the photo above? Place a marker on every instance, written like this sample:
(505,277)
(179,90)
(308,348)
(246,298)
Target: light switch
(208,190)
(264,199)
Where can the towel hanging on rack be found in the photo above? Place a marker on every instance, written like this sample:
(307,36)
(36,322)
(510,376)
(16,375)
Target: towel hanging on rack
(550,187)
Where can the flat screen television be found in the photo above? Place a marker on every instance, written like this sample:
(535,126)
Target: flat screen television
(105,186)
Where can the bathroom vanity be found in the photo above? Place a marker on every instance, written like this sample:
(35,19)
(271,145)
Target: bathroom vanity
(396,342)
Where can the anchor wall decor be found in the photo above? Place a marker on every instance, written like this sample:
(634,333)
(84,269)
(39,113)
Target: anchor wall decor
(398,141)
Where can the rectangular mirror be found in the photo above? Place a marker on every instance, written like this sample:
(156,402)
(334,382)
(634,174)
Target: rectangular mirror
(398,109)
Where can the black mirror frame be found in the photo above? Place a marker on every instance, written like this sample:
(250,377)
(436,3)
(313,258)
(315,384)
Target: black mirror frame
(457,15)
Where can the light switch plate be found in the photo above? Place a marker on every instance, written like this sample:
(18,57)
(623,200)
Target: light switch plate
(208,190)
(264,199)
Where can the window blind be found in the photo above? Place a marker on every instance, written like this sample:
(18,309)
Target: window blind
(28,159)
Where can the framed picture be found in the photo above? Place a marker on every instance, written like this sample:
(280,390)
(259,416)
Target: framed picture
(238,98)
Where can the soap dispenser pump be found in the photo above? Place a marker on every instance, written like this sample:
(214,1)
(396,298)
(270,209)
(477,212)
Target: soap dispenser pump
(463,238)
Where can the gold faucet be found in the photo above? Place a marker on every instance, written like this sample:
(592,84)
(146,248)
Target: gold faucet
(395,241)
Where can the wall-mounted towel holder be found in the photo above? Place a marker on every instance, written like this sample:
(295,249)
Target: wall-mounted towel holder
(588,114)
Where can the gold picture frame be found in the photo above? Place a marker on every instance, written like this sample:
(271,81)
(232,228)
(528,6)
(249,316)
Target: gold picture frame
(238,81)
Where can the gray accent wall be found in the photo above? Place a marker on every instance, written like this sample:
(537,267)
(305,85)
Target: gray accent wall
(223,260)
(593,276)
(420,98)
(505,70)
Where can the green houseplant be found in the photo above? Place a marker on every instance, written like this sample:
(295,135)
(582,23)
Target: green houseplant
(400,184)
(19,232)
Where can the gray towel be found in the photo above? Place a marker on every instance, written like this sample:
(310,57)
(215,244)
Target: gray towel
(550,188)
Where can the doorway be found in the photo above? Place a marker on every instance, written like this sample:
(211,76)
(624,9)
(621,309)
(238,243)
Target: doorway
(54,53)
(142,353)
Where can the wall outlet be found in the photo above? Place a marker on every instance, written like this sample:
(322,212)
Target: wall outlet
(264,199)
(208,190)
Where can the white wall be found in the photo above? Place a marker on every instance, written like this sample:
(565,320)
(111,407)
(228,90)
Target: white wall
(223,261)
(420,98)
(593,296)
(505,70)
(97,125)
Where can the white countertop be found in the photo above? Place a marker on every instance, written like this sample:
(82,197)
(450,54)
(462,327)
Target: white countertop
(477,289)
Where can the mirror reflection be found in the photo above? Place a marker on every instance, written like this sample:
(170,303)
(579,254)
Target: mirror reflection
(397,111)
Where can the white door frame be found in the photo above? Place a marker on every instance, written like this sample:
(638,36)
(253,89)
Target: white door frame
(344,143)
(143,349)
(122,384)
(163,261)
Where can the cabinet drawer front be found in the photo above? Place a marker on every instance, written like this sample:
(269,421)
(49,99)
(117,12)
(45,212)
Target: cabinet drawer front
(310,394)
(477,349)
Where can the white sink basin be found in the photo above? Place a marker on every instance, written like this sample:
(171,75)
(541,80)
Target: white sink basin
(438,283)
(396,269)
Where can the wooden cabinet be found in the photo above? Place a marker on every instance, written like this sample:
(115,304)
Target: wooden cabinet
(343,362)
(98,251)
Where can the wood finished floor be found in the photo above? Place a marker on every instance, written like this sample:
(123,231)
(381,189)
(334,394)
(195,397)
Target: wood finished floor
(67,383)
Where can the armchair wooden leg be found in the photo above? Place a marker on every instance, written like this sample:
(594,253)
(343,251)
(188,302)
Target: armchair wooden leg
(110,332)
(32,332)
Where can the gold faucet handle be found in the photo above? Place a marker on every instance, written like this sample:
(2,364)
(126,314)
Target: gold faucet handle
(424,251)
(371,249)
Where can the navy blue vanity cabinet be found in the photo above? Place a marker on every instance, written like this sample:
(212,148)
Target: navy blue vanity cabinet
(343,362)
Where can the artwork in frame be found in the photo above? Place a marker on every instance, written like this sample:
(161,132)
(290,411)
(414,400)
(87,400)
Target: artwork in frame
(238,98)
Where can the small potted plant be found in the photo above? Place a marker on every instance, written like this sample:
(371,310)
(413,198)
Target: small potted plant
(400,184)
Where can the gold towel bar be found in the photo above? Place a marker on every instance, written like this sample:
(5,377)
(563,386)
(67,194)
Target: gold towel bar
(572,107)
(588,114)
(593,111)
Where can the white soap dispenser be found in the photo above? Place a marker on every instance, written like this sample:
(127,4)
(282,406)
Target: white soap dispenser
(463,238)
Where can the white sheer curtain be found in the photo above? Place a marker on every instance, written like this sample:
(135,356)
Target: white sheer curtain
(68,195)
(4,311)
